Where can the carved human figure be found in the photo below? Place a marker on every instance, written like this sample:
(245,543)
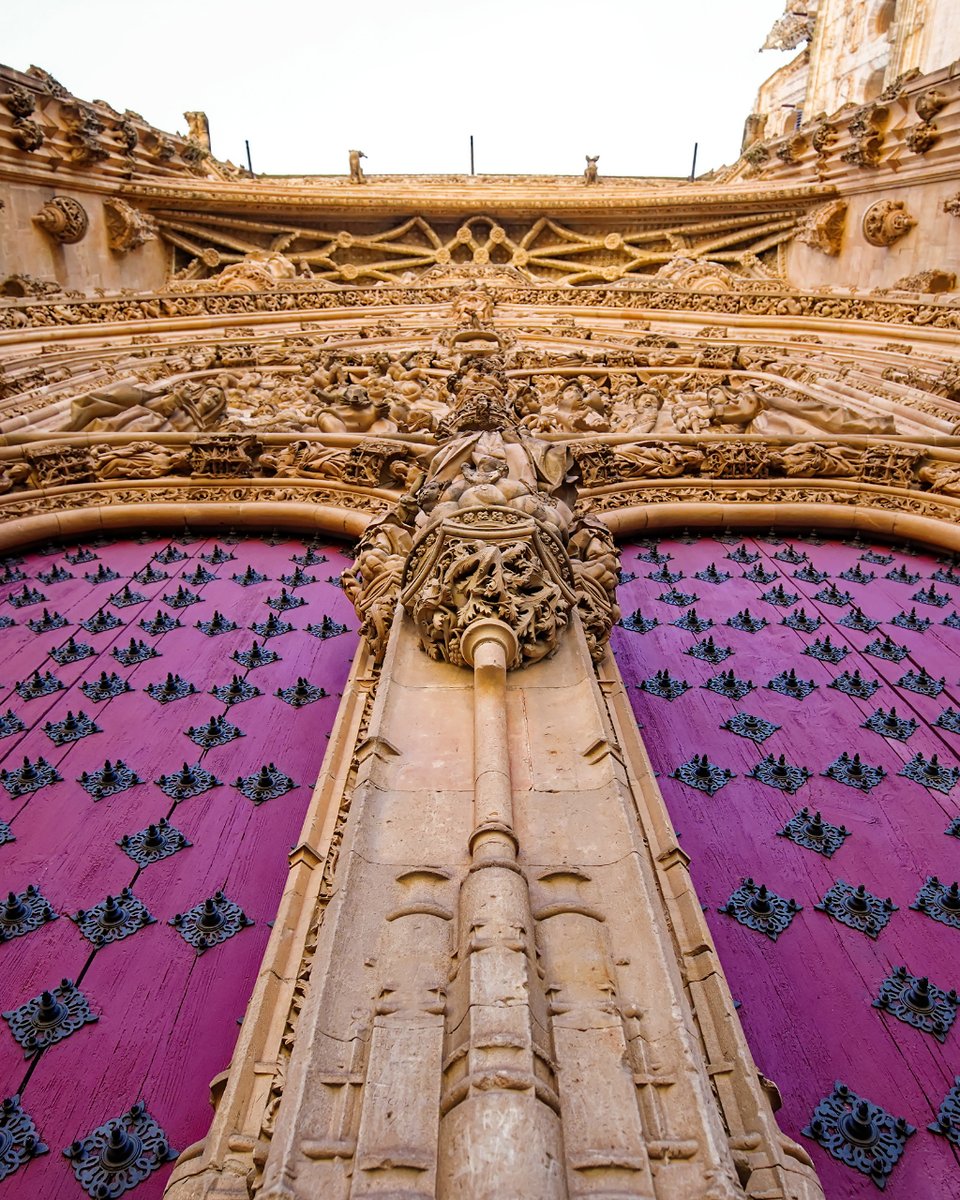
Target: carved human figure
(190,406)
(667,461)
(305,460)
(590,172)
(356,170)
(372,584)
(353,411)
(140,460)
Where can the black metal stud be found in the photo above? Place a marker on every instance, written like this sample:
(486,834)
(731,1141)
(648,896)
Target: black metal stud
(859,1133)
(285,601)
(174,687)
(217,624)
(70,729)
(249,577)
(832,595)
(6,622)
(780,597)
(103,574)
(712,574)
(113,919)
(874,556)
(801,622)
(728,538)
(887,648)
(37,685)
(299,578)
(743,555)
(854,684)
(102,621)
(857,619)
(181,598)
(48,622)
(692,622)
(199,576)
(328,627)
(771,538)
(232,538)
(217,732)
(56,574)
(947,1122)
(911,621)
(953,829)
(169,555)
(931,773)
(50,1017)
(729,685)
(810,574)
(636,622)
(922,683)
(757,574)
(778,773)
(71,651)
(680,599)
(105,687)
(947,576)
(19,1140)
(236,691)
(80,555)
(949,719)
(663,684)
(256,656)
(791,555)
(6,834)
(10,723)
(211,922)
(702,774)
(189,781)
(120,1154)
(931,596)
(652,554)
(709,651)
(29,777)
(160,623)
(788,683)
(760,909)
(940,901)
(826,651)
(301,693)
(854,773)
(109,780)
(150,574)
(266,784)
(902,575)
(152,844)
(856,574)
(313,559)
(187,538)
(26,597)
(754,728)
(915,1000)
(136,652)
(857,908)
(22,912)
(889,725)
(126,597)
(814,833)
(271,627)
(665,575)
(746,622)
(217,556)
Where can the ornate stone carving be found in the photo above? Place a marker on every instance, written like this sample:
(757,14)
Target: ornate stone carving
(127,227)
(929,103)
(590,173)
(922,137)
(822,228)
(886,221)
(64,218)
(356,170)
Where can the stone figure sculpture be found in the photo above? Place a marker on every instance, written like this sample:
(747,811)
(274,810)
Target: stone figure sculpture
(356,170)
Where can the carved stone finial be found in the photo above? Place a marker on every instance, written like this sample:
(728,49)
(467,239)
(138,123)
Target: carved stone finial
(886,222)
(64,218)
(356,170)
(590,173)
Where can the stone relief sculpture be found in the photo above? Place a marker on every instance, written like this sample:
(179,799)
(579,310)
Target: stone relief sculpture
(590,173)
(886,221)
(356,170)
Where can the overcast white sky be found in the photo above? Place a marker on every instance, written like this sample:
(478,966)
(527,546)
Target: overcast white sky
(538,84)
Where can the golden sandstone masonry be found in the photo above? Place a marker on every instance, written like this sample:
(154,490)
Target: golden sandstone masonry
(490,974)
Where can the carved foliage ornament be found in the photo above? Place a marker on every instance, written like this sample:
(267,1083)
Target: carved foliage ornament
(63,218)
(886,221)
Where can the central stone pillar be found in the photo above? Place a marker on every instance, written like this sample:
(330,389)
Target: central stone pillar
(499,1107)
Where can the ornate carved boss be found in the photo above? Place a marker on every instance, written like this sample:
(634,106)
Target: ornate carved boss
(886,222)
(64,218)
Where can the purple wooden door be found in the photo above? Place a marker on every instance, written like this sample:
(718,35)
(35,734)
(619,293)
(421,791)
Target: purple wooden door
(807,996)
(167,1014)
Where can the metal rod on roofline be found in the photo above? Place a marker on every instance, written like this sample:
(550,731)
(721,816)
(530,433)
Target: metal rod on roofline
(472,171)
(693,169)
(249,163)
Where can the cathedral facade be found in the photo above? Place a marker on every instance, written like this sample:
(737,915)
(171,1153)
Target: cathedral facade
(483,658)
